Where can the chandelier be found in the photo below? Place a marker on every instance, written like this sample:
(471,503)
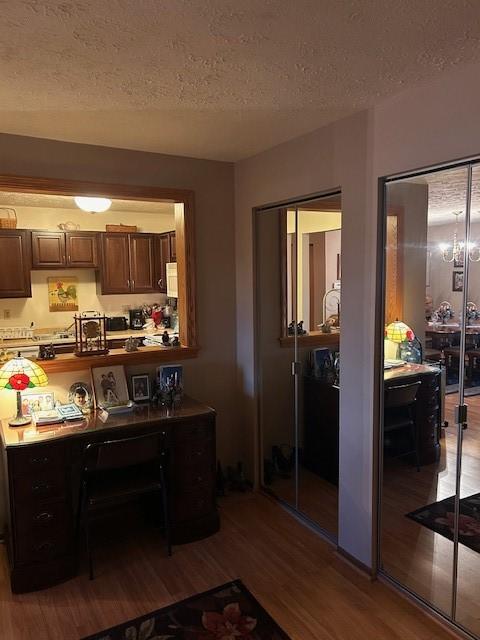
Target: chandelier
(455,252)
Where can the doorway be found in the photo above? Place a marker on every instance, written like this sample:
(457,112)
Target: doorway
(298,315)
(429,533)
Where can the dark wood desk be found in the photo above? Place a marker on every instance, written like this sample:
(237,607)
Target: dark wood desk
(321,417)
(42,469)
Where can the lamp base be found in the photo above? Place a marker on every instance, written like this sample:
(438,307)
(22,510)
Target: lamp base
(19,421)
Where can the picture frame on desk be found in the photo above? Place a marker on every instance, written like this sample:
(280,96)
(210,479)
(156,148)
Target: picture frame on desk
(110,386)
(140,384)
(32,402)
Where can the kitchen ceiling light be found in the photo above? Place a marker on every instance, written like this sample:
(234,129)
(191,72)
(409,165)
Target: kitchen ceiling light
(93,205)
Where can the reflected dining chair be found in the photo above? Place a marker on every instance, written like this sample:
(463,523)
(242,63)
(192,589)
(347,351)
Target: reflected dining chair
(115,472)
(399,416)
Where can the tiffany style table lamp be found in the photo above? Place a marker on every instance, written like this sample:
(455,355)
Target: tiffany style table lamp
(17,375)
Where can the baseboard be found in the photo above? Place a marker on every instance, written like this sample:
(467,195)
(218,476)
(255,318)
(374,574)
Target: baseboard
(364,569)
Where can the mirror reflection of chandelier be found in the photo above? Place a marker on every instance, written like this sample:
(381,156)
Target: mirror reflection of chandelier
(455,251)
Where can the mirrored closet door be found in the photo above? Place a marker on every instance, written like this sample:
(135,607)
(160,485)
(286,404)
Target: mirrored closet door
(430,428)
(298,294)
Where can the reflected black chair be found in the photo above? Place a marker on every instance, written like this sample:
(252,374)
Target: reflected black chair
(116,472)
(400,416)
(452,356)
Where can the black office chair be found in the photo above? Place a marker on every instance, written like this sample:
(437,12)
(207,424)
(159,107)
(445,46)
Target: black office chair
(116,472)
(400,415)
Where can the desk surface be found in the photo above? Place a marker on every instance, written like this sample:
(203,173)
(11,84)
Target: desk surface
(410,370)
(142,415)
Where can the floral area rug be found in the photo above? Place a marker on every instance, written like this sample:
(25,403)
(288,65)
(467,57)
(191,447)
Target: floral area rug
(229,612)
(439,517)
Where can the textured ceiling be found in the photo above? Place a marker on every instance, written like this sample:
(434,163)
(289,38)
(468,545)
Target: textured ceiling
(8,199)
(219,79)
(447,193)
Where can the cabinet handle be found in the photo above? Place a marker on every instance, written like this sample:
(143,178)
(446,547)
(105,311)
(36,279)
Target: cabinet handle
(133,284)
(44,546)
(40,486)
(43,460)
(128,284)
(160,282)
(45,516)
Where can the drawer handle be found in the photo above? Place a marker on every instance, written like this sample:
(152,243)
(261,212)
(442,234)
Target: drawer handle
(42,460)
(45,516)
(199,478)
(44,546)
(164,433)
(40,486)
(199,453)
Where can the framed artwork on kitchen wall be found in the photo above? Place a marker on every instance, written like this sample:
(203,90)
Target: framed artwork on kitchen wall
(63,293)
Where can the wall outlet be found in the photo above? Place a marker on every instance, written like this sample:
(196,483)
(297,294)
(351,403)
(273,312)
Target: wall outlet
(6,314)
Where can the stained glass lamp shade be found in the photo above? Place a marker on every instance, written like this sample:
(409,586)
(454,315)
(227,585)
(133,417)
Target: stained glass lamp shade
(17,375)
(399,332)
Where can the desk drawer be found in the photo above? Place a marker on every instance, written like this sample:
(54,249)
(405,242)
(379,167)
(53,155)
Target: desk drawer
(39,518)
(44,485)
(200,431)
(34,459)
(196,474)
(193,504)
(44,546)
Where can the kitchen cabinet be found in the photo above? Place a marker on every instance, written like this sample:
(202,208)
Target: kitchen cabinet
(165,252)
(81,249)
(71,249)
(128,263)
(173,246)
(48,250)
(15,280)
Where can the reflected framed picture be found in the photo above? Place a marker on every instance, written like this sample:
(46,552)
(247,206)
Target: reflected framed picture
(457,281)
(141,388)
(458,263)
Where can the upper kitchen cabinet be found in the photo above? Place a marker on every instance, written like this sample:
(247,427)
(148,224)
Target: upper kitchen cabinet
(15,279)
(128,263)
(82,249)
(48,249)
(165,252)
(115,271)
(57,249)
(173,246)
(142,262)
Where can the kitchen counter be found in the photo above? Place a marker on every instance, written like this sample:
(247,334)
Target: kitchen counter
(11,344)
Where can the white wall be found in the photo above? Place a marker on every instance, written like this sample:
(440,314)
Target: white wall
(333,157)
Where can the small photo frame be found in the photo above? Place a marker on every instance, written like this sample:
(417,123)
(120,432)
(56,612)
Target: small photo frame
(141,387)
(34,402)
(80,394)
(457,281)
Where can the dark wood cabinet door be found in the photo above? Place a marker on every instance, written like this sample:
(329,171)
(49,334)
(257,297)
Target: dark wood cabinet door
(115,271)
(162,256)
(48,249)
(173,246)
(15,280)
(82,249)
(142,262)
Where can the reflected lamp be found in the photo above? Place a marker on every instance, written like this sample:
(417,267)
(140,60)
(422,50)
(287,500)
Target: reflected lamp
(17,375)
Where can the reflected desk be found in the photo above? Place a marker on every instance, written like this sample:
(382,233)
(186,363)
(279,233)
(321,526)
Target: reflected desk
(321,417)
(42,467)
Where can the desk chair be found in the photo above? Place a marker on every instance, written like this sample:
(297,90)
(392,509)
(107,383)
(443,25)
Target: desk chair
(399,414)
(117,471)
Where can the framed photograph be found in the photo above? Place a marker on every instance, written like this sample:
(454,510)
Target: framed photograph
(457,281)
(110,386)
(459,264)
(140,387)
(34,402)
(80,394)
(170,377)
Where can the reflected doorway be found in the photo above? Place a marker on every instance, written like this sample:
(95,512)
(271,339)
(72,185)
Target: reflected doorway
(298,312)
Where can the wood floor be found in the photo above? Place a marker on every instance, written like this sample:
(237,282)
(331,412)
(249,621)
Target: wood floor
(419,558)
(311,592)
